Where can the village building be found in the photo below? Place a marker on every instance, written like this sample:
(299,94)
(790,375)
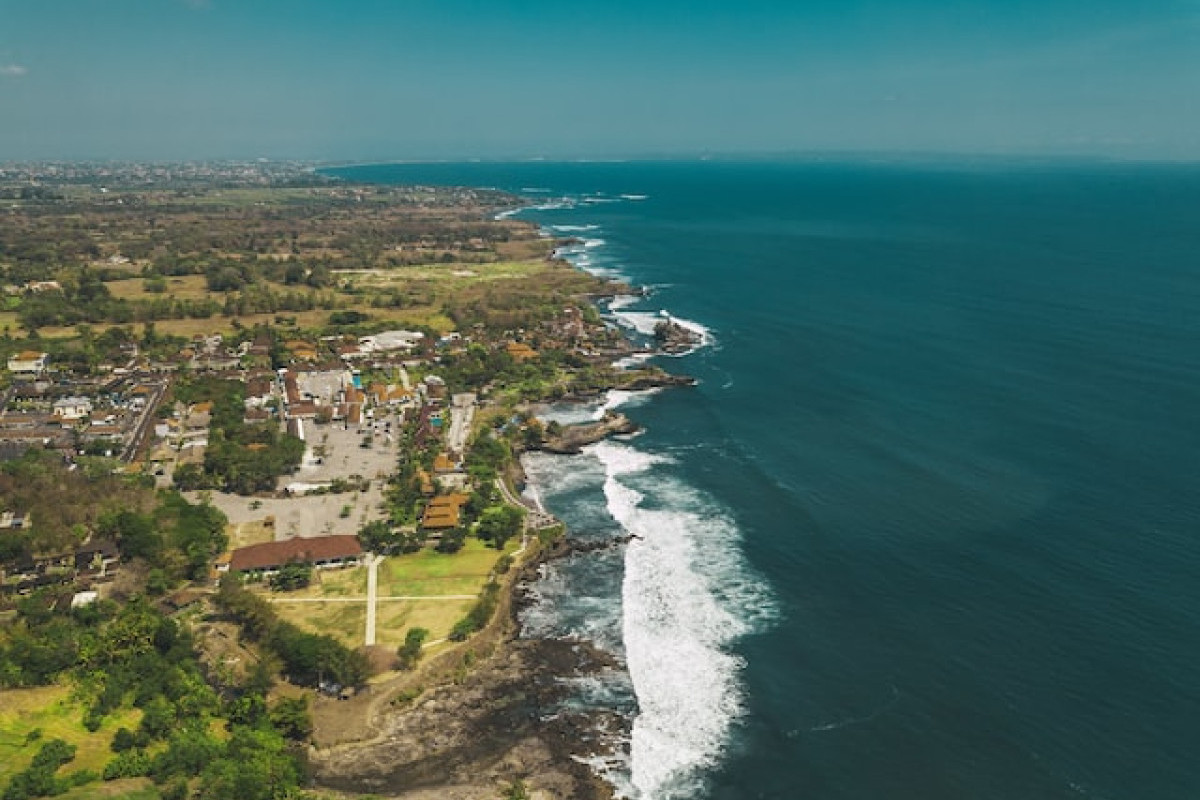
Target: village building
(72,408)
(323,552)
(390,340)
(15,521)
(444,512)
(520,351)
(28,363)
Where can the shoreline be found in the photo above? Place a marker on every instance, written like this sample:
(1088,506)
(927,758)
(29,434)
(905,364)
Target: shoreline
(487,713)
(487,716)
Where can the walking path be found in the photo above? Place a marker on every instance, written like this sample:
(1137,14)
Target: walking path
(372,587)
(535,518)
(380,599)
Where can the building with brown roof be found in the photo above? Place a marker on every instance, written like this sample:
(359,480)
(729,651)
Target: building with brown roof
(443,463)
(321,551)
(444,512)
(520,351)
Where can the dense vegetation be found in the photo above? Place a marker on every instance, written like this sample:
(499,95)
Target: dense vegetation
(240,457)
(308,659)
(198,735)
(131,654)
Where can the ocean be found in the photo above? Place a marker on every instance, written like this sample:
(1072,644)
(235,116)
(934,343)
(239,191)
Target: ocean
(929,525)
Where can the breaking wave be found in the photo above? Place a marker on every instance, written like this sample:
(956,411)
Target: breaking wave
(687,596)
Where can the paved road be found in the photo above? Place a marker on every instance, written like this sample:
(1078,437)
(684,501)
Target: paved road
(535,518)
(460,428)
(144,423)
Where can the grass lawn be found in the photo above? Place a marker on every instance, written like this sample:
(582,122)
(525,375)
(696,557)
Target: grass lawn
(443,276)
(331,583)
(400,317)
(426,573)
(247,533)
(127,789)
(184,287)
(50,710)
(393,618)
(429,572)
(346,622)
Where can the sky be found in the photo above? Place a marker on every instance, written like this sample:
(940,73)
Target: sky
(416,79)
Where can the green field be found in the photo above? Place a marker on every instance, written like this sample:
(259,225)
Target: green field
(427,573)
(51,711)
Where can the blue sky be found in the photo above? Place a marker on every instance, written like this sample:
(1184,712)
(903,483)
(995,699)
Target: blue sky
(395,79)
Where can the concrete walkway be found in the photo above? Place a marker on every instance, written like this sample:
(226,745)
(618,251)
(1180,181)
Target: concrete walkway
(372,588)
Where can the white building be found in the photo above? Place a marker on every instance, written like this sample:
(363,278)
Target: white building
(72,408)
(29,362)
(390,340)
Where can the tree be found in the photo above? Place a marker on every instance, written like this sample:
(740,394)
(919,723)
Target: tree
(291,576)
(517,790)
(290,716)
(452,540)
(410,652)
(499,524)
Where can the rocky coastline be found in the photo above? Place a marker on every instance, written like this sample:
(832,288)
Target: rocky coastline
(474,720)
(491,716)
(573,438)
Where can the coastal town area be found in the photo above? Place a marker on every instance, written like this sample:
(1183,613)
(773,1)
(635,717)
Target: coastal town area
(260,488)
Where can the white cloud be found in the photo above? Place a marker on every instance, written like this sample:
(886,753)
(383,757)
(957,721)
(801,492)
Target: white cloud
(13,71)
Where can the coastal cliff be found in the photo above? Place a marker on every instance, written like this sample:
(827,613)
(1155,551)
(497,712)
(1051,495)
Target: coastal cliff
(573,438)
(474,720)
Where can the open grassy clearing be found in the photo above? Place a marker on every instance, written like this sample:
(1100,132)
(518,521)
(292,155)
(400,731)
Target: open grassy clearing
(247,533)
(346,622)
(126,789)
(183,287)
(448,276)
(400,317)
(50,710)
(393,618)
(429,572)
(336,583)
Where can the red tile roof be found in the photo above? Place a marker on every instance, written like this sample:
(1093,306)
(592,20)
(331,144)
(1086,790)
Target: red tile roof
(275,554)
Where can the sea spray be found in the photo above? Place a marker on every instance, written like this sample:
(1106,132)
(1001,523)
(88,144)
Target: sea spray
(686,599)
(685,595)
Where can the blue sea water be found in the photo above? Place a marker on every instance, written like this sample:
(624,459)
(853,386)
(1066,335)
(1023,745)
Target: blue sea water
(929,526)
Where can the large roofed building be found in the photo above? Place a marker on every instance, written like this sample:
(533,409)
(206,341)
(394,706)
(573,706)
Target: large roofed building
(320,551)
(445,512)
(29,362)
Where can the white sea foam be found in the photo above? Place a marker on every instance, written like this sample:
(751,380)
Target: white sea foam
(622,398)
(633,361)
(574,228)
(686,597)
(644,322)
(622,301)
(571,413)
(634,197)
(593,243)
